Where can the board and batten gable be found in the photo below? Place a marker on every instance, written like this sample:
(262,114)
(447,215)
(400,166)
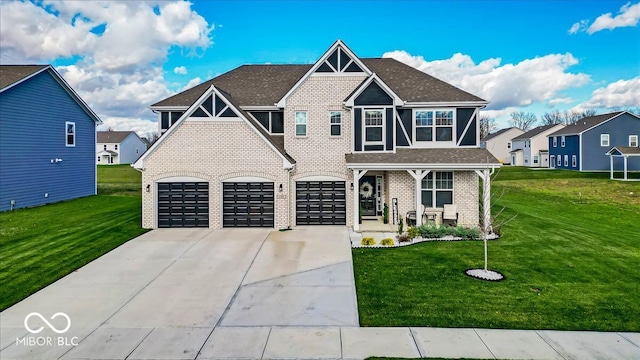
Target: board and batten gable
(37,165)
(619,129)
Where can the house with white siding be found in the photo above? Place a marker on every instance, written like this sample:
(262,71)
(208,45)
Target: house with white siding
(499,143)
(119,147)
(531,148)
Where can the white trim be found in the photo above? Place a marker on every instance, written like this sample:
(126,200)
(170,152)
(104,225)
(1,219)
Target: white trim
(635,137)
(66,135)
(24,79)
(175,179)
(434,189)
(319,178)
(602,137)
(260,108)
(139,164)
(554,141)
(282,102)
(404,131)
(466,128)
(364,128)
(334,124)
(419,166)
(456,104)
(248,179)
(350,102)
(168,108)
(295,124)
(433,143)
(580,151)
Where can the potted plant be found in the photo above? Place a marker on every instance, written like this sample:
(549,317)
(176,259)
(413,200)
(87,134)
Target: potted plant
(385,213)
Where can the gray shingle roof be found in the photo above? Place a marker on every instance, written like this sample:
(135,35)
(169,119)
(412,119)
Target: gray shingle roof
(626,150)
(497,133)
(534,132)
(426,156)
(112,137)
(585,124)
(10,74)
(265,85)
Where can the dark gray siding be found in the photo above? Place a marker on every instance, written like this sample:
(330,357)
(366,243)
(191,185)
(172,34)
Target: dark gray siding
(405,118)
(357,129)
(389,129)
(463,117)
(619,129)
(373,95)
(32,133)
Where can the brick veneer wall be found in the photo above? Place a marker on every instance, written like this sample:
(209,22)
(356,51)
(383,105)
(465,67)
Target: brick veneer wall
(213,151)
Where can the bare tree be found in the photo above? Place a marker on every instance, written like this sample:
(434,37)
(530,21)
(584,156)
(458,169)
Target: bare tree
(522,120)
(487,126)
(565,117)
(588,113)
(152,137)
(552,118)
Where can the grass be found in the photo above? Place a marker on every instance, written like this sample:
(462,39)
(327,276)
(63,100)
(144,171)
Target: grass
(570,257)
(42,244)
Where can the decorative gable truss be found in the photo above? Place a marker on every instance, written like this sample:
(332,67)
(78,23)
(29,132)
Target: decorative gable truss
(214,105)
(339,62)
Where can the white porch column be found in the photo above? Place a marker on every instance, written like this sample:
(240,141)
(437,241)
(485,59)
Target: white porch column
(625,166)
(485,175)
(418,175)
(357,175)
(611,167)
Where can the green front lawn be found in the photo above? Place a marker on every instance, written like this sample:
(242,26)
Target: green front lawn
(570,257)
(42,244)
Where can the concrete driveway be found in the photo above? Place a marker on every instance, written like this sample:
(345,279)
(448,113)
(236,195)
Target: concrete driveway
(169,289)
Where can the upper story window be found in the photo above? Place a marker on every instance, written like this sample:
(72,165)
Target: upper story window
(104,147)
(555,141)
(272,121)
(373,126)
(168,118)
(509,145)
(562,142)
(434,125)
(604,139)
(633,140)
(71,133)
(335,118)
(437,190)
(115,147)
(301,123)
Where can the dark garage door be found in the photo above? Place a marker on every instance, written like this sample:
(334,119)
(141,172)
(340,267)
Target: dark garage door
(321,203)
(183,204)
(247,204)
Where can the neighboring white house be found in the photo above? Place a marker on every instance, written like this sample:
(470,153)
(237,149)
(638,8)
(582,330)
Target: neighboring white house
(532,148)
(499,143)
(118,147)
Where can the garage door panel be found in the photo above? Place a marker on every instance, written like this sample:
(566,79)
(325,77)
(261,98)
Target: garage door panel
(321,203)
(248,204)
(183,204)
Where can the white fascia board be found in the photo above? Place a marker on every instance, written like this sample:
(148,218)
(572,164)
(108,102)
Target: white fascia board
(261,108)
(25,78)
(396,99)
(168,108)
(282,102)
(395,166)
(480,104)
(73,94)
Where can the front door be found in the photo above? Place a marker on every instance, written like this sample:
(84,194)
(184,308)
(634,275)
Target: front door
(367,191)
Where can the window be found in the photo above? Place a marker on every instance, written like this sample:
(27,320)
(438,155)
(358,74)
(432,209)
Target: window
(574,161)
(566,160)
(604,139)
(168,118)
(509,145)
(434,125)
(633,140)
(136,150)
(272,121)
(552,161)
(104,147)
(301,123)
(437,189)
(71,133)
(373,128)
(525,143)
(559,160)
(335,118)
(98,158)
(562,142)
(535,159)
(555,141)
(526,159)
(115,147)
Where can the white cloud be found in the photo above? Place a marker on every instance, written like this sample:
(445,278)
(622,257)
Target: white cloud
(561,100)
(622,93)
(121,47)
(193,82)
(180,70)
(537,80)
(142,127)
(628,15)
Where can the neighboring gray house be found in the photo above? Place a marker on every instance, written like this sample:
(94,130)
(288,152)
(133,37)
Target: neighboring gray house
(499,143)
(584,145)
(531,148)
(119,147)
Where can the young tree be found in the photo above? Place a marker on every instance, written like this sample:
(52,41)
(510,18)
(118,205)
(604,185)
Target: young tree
(522,120)
(487,126)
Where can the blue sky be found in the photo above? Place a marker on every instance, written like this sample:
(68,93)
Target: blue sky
(532,56)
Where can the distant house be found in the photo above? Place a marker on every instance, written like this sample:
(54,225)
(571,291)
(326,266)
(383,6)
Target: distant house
(531,148)
(499,143)
(47,138)
(584,145)
(119,147)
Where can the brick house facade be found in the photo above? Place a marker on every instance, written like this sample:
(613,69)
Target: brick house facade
(287,145)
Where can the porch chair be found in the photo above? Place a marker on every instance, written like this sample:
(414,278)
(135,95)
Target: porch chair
(411,216)
(450,215)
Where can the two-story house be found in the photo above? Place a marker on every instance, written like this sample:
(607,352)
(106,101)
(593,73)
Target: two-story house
(47,138)
(499,143)
(323,143)
(119,147)
(584,144)
(531,148)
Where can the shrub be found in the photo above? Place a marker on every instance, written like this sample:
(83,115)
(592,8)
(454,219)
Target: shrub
(368,241)
(403,238)
(466,233)
(413,232)
(400,225)
(387,242)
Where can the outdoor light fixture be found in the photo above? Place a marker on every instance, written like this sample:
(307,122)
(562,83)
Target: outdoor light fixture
(148,188)
(280,188)
(351,186)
